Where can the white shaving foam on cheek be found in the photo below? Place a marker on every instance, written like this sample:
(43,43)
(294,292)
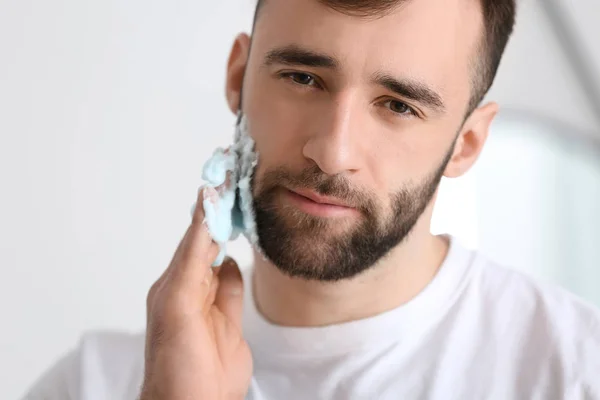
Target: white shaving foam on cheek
(234,211)
(247,162)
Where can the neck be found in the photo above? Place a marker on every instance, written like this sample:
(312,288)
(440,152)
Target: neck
(397,279)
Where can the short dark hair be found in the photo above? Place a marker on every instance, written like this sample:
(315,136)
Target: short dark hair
(498,19)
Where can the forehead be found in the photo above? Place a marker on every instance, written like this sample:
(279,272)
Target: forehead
(430,40)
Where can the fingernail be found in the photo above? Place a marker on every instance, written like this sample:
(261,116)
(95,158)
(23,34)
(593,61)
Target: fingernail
(211,194)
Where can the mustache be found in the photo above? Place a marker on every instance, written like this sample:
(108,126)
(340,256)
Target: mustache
(314,179)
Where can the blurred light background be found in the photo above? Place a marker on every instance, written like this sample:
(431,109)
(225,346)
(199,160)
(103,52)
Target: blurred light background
(108,110)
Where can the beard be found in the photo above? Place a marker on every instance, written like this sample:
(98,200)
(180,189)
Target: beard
(332,249)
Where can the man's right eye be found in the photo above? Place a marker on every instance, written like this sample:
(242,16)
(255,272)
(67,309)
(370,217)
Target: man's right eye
(300,78)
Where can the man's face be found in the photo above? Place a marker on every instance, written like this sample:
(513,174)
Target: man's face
(354,111)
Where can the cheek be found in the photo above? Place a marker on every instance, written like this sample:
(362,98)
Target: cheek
(412,153)
(278,128)
(403,164)
(282,116)
(274,145)
(393,163)
(275,148)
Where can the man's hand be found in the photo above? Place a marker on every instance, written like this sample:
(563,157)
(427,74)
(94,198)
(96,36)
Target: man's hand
(194,344)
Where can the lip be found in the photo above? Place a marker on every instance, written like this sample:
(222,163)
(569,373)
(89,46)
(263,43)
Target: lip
(319,206)
(325,200)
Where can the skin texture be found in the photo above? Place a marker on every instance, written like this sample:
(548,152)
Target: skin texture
(339,125)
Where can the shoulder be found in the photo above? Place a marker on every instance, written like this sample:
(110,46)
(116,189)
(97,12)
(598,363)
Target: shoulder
(548,322)
(515,291)
(102,365)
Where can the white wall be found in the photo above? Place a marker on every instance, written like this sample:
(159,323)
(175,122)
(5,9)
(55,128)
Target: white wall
(107,111)
(585,15)
(535,75)
(537,195)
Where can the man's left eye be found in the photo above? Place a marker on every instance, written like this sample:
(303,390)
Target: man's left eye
(399,107)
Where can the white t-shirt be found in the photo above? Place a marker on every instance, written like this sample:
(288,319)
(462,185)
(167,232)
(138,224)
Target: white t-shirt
(477,331)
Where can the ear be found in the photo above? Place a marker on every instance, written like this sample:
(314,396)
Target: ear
(236,66)
(471,139)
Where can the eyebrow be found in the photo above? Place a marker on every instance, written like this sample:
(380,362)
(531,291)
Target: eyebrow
(412,90)
(295,55)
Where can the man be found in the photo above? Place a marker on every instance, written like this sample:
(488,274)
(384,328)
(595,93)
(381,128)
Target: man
(358,108)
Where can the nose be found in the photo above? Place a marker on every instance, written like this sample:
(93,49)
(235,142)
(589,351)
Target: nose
(333,145)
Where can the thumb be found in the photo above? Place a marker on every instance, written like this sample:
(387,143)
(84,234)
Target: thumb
(230,295)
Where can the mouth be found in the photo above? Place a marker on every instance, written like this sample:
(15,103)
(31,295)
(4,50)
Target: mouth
(321,206)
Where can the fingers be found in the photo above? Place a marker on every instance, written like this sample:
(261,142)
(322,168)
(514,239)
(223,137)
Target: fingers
(229,296)
(212,292)
(189,282)
(196,252)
